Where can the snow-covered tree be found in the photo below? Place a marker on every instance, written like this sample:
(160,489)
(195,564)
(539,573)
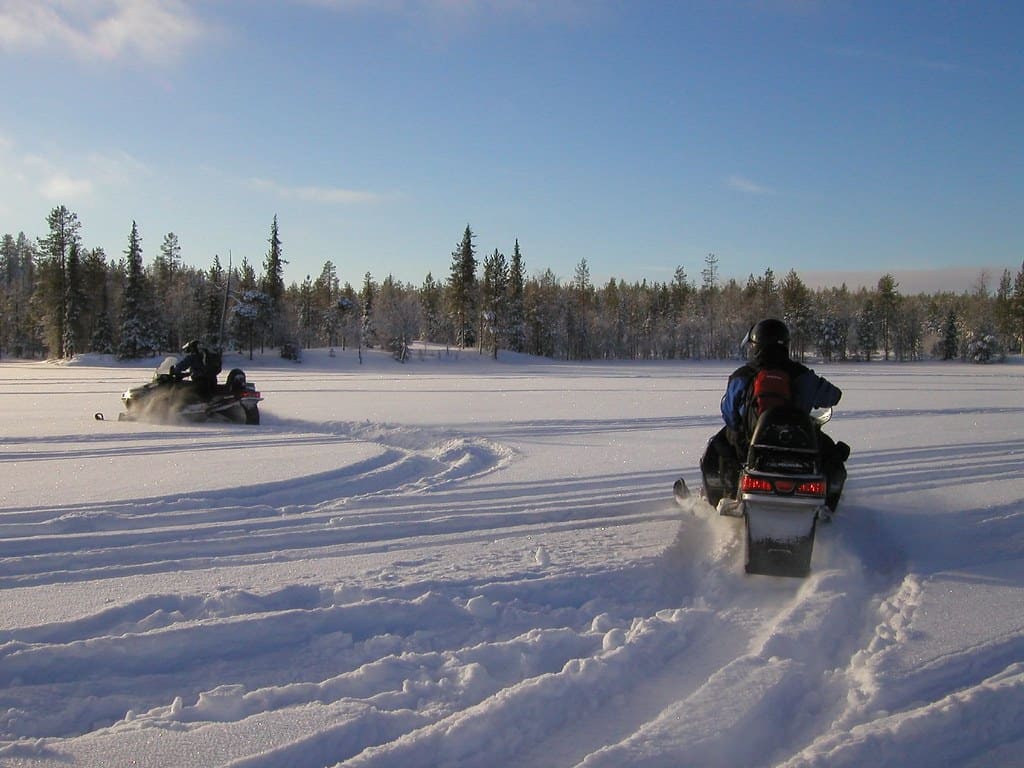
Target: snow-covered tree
(494,298)
(248,316)
(397,317)
(949,348)
(984,348)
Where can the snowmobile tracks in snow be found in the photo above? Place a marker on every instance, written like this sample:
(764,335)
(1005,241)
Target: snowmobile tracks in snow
(532,658)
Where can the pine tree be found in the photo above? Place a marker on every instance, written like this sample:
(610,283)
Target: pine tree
(96,277)
(462,291)
(308,316)
(830,337)
(325,303)
(516,309)
(74,301)
(18,327)
(495,300)
(166,298)
(888,309)
(273,284)
(1002,311)
(1016,309)
(709,295)
(350,316)
(950,345)
(798,312)
(52,295)
(579,313)
(248,316)
(102,339)
(137,337)
(367,298)
(867,333)
(431,314)
(211,298)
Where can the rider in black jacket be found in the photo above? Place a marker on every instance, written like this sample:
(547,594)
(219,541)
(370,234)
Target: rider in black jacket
(769,348)
(194,364)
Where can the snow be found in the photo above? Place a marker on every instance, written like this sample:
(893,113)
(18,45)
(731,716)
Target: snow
(463,562)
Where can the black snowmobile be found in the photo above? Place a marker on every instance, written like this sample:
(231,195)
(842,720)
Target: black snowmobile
(170,396)
(782,492)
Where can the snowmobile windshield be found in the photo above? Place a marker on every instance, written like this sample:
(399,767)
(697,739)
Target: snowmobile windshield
(164,369)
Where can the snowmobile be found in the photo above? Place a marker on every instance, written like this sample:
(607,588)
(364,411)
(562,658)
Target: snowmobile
(170,396)
(782,492)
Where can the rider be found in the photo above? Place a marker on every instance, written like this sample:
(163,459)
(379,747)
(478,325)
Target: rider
(194,362)
(769,348)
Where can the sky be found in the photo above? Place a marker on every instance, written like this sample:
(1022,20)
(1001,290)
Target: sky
(839,139)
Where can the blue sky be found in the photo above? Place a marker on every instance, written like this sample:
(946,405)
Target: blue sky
(844,138)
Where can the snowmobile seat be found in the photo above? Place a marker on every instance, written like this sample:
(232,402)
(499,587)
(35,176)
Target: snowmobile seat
(784,439)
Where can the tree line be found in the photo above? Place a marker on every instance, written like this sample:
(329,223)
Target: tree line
(59,298)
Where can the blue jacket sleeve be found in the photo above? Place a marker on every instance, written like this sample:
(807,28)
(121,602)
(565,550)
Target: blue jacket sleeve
(732,402)
(813,391)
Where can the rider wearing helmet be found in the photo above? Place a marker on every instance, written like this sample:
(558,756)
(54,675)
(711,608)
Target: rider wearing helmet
(194,363)
(768,347)
(768,343)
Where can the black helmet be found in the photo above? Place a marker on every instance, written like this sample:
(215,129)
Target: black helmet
(769,341)
(191,347)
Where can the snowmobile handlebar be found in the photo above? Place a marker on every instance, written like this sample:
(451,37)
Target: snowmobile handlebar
(821,416)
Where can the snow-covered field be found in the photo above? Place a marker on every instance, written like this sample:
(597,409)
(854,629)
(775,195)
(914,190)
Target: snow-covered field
(458,562)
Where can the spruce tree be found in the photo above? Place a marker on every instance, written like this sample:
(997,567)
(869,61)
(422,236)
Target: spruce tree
(516,308)
(462,291)
(495,300)
(867,331)
(1016,309)
(798,312)
(137,336)
(950,337)
(888,309)
(431,314)
(367,298)
(211,296)
(74,301)
(273,284)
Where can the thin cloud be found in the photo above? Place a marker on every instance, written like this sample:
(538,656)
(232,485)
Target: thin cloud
(69,180)
(60,188)
(53,183)
(743,184)
(105,30)
(315,194)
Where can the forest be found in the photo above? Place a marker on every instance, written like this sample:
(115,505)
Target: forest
(60,298)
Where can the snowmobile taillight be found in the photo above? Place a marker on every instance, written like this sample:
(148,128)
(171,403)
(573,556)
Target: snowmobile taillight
(750,484)
(811,488)
(249,393)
